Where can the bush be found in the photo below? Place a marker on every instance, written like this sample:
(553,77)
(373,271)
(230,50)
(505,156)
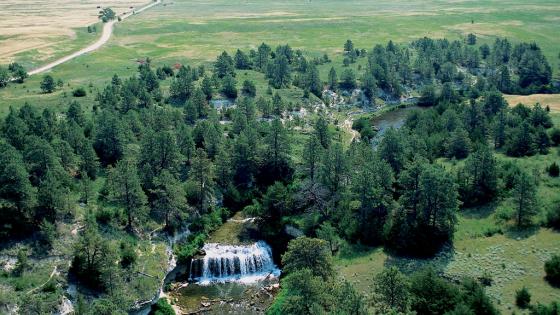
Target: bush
(522,298)
(552,269)
(553,170)
(162,307)
(79,92)
(128,255)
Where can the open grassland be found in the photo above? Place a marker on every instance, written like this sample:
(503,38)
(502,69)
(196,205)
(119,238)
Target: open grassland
(35,31)
(197,31)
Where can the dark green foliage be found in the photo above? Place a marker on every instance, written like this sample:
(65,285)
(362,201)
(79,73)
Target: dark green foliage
(553,170)
(522,297)
(4,77)
(313,81)
(555,136)
(552,269)
(128,254)
(279,72)
(162,307)
(364,127)
(333,79)
(347,80)
(79,92)
(393,290)
(18,72)
(478,180)
(471,39)
(224,66)
(229,86)
(47,84)
(93,258)
(308,253)
(106,15)
(249,88)
(428,96)
(48,233)
(427,215)
(124,185)
(433,295)
(459,144)
(242,61)
(553,217)
(540,309)
(524,198)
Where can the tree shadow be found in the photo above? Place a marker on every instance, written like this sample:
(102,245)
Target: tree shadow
(411,264)
(480,212)
(354,251)
(519,233)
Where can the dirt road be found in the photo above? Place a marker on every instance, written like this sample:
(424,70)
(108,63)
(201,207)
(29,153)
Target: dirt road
(105,36)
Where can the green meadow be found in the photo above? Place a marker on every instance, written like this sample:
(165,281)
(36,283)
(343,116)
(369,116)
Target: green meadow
(195,32)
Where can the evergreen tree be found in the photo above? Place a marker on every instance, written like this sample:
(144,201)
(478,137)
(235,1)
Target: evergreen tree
(525,199)
(242,61)
(478,180)
(125,189)
(393,290)
(202,176)
(207,88)
(308,253)
(333,79)
(224,66)
(280,76)
(169,200)
(229,86)
(47,84)
(313,81)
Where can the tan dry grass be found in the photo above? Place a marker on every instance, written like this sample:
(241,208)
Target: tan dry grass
(42,24)
(552,100)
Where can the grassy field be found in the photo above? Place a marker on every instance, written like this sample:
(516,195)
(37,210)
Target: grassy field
(35,31)
(196,31)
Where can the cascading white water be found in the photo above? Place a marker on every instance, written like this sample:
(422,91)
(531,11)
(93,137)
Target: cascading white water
(225,263)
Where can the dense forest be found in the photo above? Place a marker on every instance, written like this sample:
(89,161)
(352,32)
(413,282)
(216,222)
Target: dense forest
(147,157)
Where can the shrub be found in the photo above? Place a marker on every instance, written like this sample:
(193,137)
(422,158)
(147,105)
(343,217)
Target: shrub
(162,307)
(552,269)
(128,255)
(523,297)
(79,92)
(553,170)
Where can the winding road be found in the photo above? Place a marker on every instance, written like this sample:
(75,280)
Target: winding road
(105,36)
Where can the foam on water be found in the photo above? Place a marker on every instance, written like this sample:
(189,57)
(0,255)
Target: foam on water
(234,263)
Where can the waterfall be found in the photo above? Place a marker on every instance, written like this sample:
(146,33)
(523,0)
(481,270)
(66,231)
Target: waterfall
(225,263)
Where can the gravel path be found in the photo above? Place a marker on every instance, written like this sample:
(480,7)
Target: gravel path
(106,35)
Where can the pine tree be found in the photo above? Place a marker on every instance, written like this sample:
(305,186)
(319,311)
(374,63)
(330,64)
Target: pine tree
(333,79)
(202,175)
(525,199)
(313,81)
(169,200)
(126,190)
